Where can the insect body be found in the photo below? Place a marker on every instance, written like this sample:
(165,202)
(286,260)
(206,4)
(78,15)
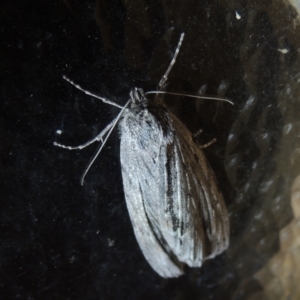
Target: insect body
(178,214)
(176,209)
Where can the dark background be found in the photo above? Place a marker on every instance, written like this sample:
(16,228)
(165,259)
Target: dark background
(61,240)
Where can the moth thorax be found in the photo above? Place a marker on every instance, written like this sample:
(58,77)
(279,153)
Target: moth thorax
(137,97)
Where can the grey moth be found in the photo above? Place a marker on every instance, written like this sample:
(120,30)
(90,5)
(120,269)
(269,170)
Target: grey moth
(177,211)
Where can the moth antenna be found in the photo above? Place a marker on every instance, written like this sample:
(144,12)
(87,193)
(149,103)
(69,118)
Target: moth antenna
(165,76)
(91,94)
(191,96)
(115,121)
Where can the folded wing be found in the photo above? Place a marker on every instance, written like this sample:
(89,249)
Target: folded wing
(178,214)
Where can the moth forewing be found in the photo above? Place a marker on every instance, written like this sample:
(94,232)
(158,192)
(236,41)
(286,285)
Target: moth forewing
(139,196)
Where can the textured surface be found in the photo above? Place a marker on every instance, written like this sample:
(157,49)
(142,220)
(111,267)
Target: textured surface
(280,277)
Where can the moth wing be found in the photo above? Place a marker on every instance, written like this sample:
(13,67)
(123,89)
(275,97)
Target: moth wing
(140,188)
(177,211)
(193,216)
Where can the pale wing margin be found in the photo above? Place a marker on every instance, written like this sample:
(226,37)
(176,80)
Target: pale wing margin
(141,187)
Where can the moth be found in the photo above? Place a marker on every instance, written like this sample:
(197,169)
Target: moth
(177,211)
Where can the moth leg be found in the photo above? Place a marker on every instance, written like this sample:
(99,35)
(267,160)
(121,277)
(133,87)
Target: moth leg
(196,134)
(91,94)
(108,128)
(98,138)
(208,144)
(165,76)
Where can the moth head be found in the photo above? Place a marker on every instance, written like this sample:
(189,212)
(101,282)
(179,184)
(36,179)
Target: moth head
(137,97)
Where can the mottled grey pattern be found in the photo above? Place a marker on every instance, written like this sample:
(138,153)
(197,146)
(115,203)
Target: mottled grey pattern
(177,212)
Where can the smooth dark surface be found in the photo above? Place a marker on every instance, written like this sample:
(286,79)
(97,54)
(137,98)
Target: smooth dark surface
(61,240)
